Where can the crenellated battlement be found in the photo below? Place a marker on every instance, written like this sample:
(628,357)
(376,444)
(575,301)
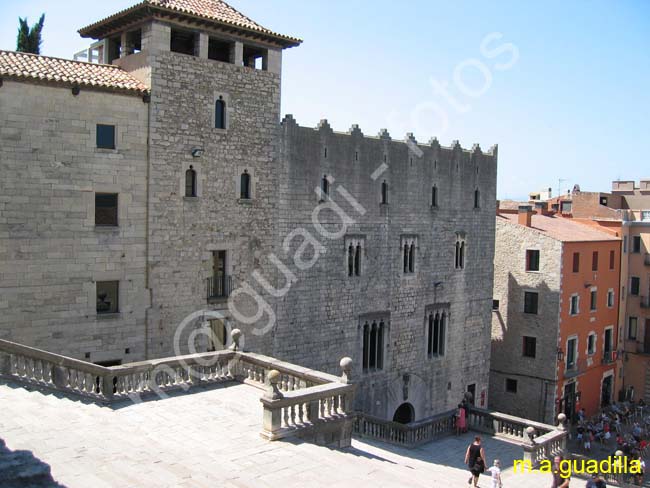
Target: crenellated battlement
(324,127)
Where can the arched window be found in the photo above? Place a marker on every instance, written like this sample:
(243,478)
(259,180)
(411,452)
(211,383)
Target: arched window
(220,114)
(477,198)
(373,345)
(190,182)
(324,187)
(434,196)
(459,262)
(245,186)
(436,334)
(357,260)
(384,192)
(351,256)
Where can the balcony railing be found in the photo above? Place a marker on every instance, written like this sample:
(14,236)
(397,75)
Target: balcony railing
(301,402)
(219,287)
(576,368)
(608,357)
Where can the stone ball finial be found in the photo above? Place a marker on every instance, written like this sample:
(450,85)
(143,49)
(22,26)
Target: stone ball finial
(273,393)
(618,453)
(561,419)
(346,365)
(274,376)
(235,334)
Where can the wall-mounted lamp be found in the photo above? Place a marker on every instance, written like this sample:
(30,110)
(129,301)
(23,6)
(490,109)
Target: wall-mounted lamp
(560,354)
(197,152)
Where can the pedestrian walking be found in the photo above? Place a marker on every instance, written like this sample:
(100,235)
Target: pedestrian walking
(495,471)
(474,452)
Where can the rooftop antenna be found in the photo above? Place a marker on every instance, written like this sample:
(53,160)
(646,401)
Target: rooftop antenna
(559,184)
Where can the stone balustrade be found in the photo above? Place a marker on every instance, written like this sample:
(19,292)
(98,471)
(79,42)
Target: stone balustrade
(303,402)
(407,435)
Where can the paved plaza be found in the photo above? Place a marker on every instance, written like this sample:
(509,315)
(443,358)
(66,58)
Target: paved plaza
(210,438)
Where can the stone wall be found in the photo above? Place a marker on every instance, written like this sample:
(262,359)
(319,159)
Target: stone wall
(320,318)
(534,399)
(51,253)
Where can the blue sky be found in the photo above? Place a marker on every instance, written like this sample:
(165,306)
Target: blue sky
(574,104)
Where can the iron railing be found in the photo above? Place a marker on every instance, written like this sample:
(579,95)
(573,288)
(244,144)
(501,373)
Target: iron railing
(219,287)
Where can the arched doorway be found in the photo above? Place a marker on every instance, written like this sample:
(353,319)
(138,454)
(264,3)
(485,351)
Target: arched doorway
(404,414)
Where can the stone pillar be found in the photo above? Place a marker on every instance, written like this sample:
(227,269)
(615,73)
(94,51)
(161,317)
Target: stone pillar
(5,364)
(156,37)
(201,49)
(107,386)
(237,54)
(272,61)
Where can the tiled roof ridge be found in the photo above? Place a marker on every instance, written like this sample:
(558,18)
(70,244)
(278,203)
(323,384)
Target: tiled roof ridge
(62,71)
(66,60)
(226,5)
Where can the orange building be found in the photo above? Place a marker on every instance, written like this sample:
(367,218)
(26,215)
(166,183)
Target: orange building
(555,314)
(588,322)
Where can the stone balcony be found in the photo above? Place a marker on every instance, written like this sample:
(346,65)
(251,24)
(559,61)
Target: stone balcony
(208,419)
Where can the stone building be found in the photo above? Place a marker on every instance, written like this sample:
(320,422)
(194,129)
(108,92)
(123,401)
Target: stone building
(555,312)
(155,201)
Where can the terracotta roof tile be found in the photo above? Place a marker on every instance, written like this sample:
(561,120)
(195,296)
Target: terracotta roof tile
(562,229)
(26,66)
(215,10)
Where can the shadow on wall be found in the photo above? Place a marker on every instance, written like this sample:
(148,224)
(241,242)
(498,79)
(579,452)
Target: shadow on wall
(20,469)
(536,319)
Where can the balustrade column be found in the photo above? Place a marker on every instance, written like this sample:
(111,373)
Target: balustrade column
(5,364)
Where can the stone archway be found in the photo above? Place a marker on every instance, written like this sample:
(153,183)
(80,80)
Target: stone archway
(404,414)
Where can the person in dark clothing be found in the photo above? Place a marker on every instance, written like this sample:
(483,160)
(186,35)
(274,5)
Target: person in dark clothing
(558,480)
(474,453)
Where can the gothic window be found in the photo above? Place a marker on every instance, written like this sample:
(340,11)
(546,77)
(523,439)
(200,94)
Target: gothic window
(373,345)
(436,325)
(353,247)
(459,262)
(245,186)
(384,192)
(409,246)
(190,182)
(220,114)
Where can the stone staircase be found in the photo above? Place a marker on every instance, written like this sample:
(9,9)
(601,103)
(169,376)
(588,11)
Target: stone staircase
(20,469)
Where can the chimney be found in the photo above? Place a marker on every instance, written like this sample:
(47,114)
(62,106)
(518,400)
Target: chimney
(525,215)
(541,208)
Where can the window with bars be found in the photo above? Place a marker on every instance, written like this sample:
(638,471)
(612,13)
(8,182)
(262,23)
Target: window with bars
(374,334)
(436,332)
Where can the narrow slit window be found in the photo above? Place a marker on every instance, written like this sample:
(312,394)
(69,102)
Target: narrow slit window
(220,114)
(434,196)
(384,192)
(245,183)
(190,182)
